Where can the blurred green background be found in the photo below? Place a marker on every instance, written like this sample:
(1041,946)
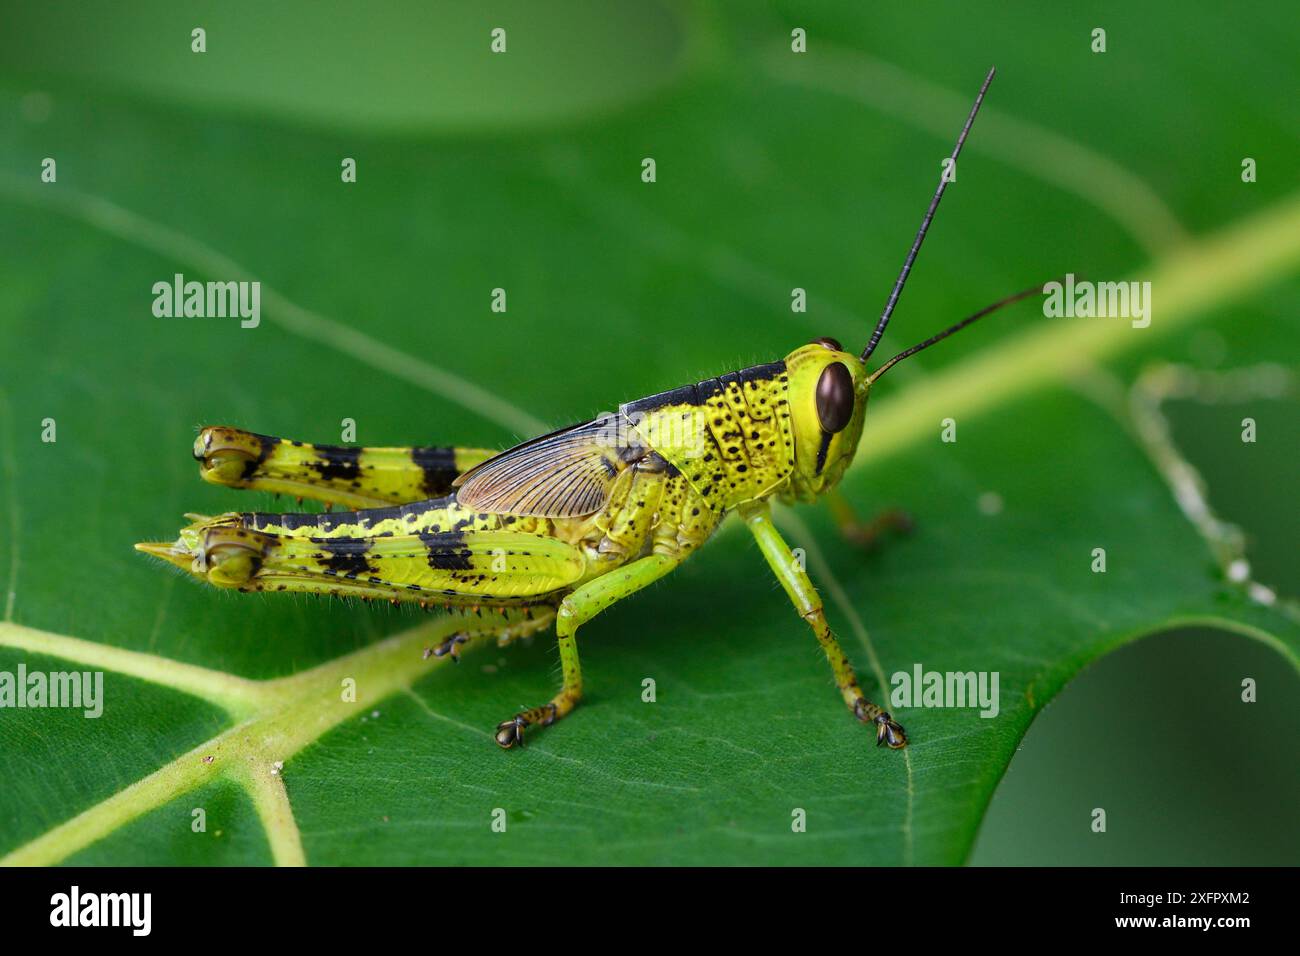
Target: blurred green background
(1190,790)
(477,171)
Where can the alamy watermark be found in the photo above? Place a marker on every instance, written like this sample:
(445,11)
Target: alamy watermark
(78,690)
(133,911)
(1104,300)
(208,300)
(921,688)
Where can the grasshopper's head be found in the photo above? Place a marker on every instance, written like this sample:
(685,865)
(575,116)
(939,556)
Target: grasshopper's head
(828,387)
(828,398)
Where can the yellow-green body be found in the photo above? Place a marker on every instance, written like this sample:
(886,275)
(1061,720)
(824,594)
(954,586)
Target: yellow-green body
(557,528)
(699,452)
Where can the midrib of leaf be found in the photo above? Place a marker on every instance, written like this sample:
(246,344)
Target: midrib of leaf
(271,801)
(287,714)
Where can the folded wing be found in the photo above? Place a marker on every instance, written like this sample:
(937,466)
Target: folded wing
(566,474)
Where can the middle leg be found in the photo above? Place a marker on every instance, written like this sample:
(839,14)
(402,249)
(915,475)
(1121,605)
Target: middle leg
(575,610)
(866,534)
(514,623)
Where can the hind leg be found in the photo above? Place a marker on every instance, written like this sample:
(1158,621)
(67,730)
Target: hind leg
(444,568)
(342,475)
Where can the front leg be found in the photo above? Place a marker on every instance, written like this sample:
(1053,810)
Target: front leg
(797,584)
(575,610)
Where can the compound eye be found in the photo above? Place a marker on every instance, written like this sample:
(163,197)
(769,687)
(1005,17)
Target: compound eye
(828,343)
(835,397)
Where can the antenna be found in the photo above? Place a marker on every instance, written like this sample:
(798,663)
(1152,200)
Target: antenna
(925,223)
(1023,294)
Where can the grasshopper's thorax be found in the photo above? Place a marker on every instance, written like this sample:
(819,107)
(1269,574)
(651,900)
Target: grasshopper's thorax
(729,437)
(828,400)
(787,428)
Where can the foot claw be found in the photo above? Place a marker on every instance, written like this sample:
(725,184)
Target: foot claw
(511,732)
(889,733)
(450,646)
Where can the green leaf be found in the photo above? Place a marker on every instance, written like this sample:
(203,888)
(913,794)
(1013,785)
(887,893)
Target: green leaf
(773,172)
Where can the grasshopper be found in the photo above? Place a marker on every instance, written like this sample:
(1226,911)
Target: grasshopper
(559,528)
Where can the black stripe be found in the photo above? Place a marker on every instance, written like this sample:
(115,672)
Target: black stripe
(340,463)
(347,556)
(822,449)
(266,444)
(686,395)
(762,373)
(439,467)
(701,392)
(446,550)
(331,520)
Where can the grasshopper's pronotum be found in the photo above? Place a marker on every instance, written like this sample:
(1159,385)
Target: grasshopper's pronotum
(561,527)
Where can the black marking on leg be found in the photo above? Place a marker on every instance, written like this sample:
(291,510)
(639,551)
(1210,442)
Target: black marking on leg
(347,556)
(293,521)
(451,646)
(439,468)
(447,551)
(337,462)
(266,445)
